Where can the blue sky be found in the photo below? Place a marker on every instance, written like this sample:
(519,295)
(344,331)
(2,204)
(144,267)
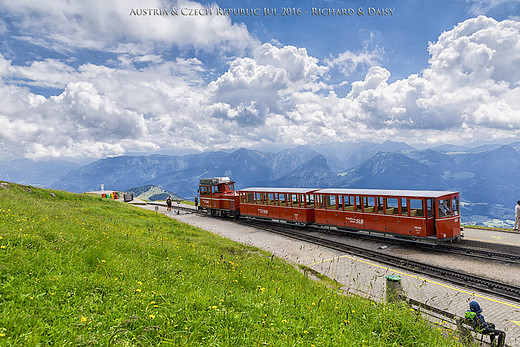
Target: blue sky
(101,78)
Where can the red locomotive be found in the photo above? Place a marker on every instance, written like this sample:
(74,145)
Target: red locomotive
(432,215)
(218,197)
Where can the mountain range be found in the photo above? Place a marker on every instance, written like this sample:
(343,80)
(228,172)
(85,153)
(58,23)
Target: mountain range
(484,175)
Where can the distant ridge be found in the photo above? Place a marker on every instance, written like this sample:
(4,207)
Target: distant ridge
(152,193)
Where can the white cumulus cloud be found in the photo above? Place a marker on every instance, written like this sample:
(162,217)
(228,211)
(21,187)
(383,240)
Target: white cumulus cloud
(275,95)
(124,25)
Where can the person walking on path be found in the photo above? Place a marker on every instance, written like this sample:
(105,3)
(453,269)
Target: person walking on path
(196,202)
(480,325)
(517,215)
(169,203)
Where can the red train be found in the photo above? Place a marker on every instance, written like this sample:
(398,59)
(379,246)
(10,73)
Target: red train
(218,197)
(428,215)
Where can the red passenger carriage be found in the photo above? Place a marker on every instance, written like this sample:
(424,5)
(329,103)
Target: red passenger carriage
(218,197)
(415,214)
(288,204)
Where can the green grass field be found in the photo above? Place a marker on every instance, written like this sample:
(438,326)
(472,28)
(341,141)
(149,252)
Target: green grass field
(78,270)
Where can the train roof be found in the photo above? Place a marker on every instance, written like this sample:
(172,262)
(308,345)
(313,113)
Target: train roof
(343,191)
(387,192)
(279,190)
(214,181)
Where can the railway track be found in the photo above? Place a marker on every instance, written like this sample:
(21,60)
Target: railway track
(437,247)
(476,253)
(465,280)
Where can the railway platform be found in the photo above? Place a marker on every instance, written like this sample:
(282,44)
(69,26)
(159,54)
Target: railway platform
(367,278)
(500,240)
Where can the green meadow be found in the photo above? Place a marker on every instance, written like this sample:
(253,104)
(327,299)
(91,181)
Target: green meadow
(78,270)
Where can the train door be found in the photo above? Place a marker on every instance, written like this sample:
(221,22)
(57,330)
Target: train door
(443,214)
(392,218)
(404,221)
(418,217)
(430,218)
(332,210)
(283,204)
(370,210)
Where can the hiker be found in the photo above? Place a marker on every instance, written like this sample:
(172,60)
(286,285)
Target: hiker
(481,326)
(517,215)
(169,203)
(196,202)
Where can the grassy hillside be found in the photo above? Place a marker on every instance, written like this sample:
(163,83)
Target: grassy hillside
(81,270)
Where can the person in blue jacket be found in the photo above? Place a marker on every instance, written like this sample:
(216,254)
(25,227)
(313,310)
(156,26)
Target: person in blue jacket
(480,325)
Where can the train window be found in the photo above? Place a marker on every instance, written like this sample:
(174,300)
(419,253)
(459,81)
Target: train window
(310,200)
(455,206)
(380,205)
(392,206)
(331,202)
(249,197)
(416,208)
(429,205)
(444,208)
(321,201)
(294,200)
(370,204)
(348,201)
(270,199)
(281,200)
(404,206)
(258,198)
